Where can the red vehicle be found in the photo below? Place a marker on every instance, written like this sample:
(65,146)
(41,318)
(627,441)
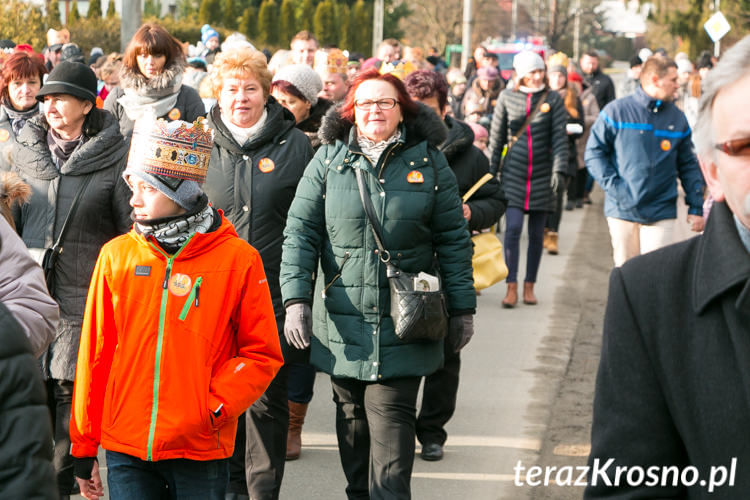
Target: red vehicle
(506,51)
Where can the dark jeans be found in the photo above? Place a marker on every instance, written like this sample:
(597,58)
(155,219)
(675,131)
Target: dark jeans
(301,382)
(130,477)
(59,400)
(553,218)
(577,185)
(513,228)
(439,399)
(375,426)
(257,466)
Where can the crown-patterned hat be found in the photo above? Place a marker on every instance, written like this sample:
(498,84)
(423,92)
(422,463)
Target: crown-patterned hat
(331,61)
(171,156)
(400,71)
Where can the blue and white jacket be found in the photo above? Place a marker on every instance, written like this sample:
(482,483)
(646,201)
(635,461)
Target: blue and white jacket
(637,149)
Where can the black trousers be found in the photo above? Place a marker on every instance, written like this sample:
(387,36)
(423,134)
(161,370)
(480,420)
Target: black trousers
(59,401)
(257,466)
(375,427)
(439,399)
(553,218)
(577,185)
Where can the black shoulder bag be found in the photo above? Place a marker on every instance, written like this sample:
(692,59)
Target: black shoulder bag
(50,255)
(418,315)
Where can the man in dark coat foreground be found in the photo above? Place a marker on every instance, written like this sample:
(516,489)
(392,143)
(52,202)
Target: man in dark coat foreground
(672,400)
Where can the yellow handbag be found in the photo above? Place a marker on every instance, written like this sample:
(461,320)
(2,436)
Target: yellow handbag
(488,260)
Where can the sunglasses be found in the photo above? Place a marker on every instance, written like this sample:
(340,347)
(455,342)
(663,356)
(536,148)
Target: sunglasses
(737,147)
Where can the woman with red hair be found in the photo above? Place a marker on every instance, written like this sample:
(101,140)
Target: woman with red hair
(20,81)
(380,132)
(151,81)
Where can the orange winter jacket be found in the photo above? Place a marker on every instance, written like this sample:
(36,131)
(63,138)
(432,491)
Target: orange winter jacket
(173,348)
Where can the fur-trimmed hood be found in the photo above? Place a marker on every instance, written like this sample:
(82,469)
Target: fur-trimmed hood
(166,83)
(426,126)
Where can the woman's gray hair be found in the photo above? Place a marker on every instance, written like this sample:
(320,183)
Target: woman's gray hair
(733,66)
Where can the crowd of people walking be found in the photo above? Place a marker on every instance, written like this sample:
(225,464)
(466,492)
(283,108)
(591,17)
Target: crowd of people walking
(231,220)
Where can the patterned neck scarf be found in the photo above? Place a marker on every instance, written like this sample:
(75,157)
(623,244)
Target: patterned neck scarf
(62,149)
(173,232)
(373,149)
(18,118)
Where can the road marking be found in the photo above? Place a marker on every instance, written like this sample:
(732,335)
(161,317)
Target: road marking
(329,439)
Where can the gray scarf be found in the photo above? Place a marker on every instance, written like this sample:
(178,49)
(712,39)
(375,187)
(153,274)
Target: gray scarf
(62,149)
(157,95)
(18,118)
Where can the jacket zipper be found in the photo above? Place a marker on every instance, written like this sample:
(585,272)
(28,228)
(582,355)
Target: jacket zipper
(529,156)
(159,345)
(192,298)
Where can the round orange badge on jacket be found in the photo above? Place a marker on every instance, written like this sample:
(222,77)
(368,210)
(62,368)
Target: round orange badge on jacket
(4,135)
(174,114)
(544,108)
(665,145)
(266,165)
(179,284)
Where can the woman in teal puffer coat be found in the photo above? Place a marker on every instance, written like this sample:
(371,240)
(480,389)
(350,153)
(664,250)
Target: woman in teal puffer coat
(375,376)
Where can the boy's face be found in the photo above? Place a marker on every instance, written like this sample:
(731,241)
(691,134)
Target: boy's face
(149,203)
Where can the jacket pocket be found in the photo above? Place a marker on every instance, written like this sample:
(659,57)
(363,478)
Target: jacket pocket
(193,298)
(335,276)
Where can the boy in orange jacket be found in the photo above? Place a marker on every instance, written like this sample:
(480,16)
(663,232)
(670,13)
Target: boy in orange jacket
(179,336)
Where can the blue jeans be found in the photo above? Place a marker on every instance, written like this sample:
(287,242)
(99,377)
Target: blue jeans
(129,477)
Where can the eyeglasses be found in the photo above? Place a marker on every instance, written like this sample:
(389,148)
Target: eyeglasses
(737,147)
(387,103)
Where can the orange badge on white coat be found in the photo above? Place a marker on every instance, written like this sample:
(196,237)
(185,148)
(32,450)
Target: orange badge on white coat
(415,177)
(179,284)
(266,165)
(4,135)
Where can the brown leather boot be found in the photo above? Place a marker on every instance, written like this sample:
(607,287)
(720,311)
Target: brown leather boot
(551,243)
(297,412)
(511,296)
(545,243)
(528,294)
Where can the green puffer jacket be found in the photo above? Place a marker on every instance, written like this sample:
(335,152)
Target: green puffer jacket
(353,330)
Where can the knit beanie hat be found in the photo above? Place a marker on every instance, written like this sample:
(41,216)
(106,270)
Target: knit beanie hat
(172,157)
(527,61)
(303,78)
(207,32)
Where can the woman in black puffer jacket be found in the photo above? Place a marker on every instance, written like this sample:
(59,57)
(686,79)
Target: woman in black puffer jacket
(533,168)
(71,143)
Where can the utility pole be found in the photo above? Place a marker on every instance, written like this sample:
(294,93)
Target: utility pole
(130,16)
(577,32)
(377,26)
(514,19)
(717,43)
(466,38)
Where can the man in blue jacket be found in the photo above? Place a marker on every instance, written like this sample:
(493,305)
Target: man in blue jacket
(638,147)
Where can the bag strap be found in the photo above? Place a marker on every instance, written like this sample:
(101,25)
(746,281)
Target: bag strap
(473,189)
(364,195)
(56,247)
(529,118)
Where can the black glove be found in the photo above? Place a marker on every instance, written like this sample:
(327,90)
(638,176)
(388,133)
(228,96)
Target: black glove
(557,181)
(298,325)
(460,331)
(82,467)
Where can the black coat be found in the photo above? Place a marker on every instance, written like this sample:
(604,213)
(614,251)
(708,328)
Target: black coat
(469,164)
(311,124)
(529,164)
(602,87)
(26,447)
(673,386)
(257,201)
(103,212)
